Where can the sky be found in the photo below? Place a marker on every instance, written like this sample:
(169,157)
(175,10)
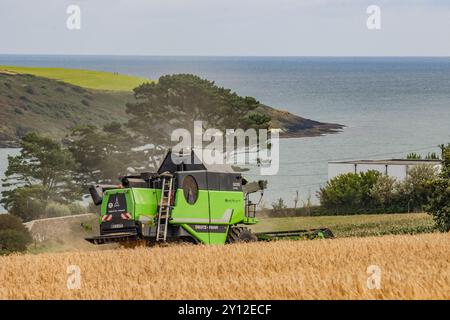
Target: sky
(226,27)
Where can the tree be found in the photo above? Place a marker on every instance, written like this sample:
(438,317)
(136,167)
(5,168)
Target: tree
(384,191)
(415,189)
(432,156)
(103,155)
(42,171)
(25,202)
(413,156)
(351,191)
(13,241)
(439,200)
(176,101)
(14,237)
(416,156)
(279,204)
(8,221)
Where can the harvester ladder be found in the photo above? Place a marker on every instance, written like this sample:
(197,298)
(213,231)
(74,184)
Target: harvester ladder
(164,207)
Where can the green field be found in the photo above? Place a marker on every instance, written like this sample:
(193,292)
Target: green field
(84,78)
(353,225)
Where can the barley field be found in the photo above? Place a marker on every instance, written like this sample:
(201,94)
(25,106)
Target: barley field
(405,267)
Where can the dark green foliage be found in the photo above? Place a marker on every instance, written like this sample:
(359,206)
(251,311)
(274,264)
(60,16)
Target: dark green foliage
(13,241)
(373,192)
(41,172)
(279,204)
(29,89)
(22,131)
(176,101)
(439,199)
(24,202)
(14,237)
(414,191)
(413,156)
(348,192)
(103,156)
(432,156)
(429,156)
(8,221)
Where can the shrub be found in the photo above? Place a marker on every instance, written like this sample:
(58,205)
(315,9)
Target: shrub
(76,208)
(415,189)
(14,237)
(8,221)
(78,89)
(24,202)
(279,204)
(13,241)
(92,208)
(384,191)
(439,200)
(18,111)
(349,191)
(54,209)
(29,89)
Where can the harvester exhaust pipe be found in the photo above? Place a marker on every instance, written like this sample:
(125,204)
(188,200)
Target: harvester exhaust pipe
(97,191)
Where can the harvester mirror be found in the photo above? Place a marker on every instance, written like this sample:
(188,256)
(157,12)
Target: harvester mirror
(190,189)
(254,186)
(262,184)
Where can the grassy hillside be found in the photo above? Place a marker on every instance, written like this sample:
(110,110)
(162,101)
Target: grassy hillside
(412,267)
(84,78)
(30,103)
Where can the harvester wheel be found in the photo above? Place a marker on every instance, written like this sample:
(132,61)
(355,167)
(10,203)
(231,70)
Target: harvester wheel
(240,234)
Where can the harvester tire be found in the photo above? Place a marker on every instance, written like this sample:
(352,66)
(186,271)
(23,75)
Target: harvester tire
(240,234)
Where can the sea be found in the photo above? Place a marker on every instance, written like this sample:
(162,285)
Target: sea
(389,106)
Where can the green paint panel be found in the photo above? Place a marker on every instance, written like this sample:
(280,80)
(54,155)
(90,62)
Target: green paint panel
(218,238)
(145,202)
(223,201)
(198,210)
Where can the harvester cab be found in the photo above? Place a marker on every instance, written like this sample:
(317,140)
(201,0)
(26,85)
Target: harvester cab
(185,200)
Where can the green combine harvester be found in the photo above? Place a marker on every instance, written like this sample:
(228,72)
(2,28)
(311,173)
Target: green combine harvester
(184,201)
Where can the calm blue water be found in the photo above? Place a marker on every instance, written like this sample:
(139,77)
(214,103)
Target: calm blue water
(390,105)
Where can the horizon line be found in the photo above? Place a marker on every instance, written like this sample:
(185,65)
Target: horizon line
(223,56)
